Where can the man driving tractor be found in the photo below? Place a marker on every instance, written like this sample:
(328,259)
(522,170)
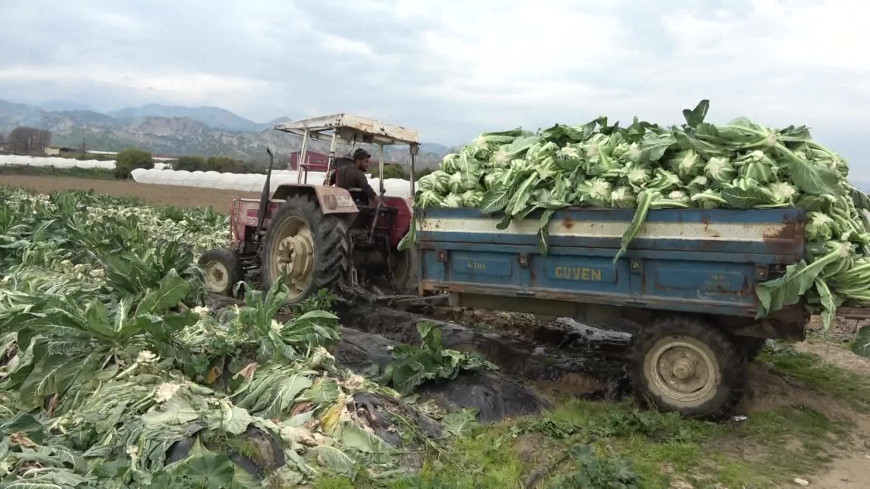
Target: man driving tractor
(354,177)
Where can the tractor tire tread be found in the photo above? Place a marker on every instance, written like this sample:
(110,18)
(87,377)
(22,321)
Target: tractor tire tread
(332,256)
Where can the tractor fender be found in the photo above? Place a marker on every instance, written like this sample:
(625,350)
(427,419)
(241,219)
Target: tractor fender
(332,200)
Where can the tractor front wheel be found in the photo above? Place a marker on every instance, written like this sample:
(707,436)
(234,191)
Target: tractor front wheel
(312,249)
(222,271)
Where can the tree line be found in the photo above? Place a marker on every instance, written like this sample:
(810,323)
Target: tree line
(220,164)
(26,140)
(392,170)
(31,141)
(130,159)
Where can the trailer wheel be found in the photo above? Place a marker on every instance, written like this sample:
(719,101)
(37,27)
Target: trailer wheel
(222,270)
(312,247)
(683,364)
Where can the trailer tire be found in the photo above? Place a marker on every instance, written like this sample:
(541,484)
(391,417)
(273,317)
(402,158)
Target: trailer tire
(221,271)
(314,247)
(683,364)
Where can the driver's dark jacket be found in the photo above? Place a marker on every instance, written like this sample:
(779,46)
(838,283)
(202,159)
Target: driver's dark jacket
(349,177)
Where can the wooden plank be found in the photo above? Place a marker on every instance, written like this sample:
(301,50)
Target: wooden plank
(853,312)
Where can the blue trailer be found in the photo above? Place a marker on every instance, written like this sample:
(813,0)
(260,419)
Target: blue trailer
(686,286)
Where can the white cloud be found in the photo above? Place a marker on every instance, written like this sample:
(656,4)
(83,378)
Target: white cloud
(828,34)
(519,52)
(182,87)
(455,68)
(111,20)
(772,34)
(342,45)
(781,63)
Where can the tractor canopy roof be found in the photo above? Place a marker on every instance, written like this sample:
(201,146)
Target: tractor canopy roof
(351,129)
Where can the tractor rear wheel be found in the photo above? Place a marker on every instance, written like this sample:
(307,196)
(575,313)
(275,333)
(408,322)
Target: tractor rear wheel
(311,247)
(222,271)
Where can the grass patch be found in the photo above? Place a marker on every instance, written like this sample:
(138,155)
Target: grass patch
(484,460)
(334,483)
(765,451)
(810,370)
(658,445)
(618,443)
(772,448)
(94,173)
(604,444)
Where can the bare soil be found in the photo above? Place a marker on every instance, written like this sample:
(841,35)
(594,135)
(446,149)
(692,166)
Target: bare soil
(850,467)
(219,200)
(836,355)
(768,390)
(842,328)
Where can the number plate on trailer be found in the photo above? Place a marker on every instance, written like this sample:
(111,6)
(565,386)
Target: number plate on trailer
(343,201)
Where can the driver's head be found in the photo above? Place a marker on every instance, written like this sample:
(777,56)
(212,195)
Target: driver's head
(361,159)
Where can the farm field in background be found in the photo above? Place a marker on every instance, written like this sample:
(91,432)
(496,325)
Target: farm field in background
(219,200)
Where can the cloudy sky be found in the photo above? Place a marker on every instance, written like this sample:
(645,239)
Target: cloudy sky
(453,69)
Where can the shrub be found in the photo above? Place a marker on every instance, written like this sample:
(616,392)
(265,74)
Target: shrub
(220,164)
(390,171)
(592,471)
(130,159)
(190,163)
(224,164)
(423,172)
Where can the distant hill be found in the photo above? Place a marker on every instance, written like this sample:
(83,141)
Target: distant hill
(14,115)
(60,105)
(435,148)
(175,130)
(214,117)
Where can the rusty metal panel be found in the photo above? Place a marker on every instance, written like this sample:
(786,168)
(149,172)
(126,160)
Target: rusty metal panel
(777,233)
(334,200)
(347,126)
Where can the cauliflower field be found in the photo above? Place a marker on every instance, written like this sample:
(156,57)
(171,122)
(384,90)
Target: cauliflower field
(113,373)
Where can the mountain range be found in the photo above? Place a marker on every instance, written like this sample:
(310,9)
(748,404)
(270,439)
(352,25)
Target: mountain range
(170,130)
(173,130)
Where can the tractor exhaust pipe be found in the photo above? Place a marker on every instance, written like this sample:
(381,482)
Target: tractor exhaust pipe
(264,197)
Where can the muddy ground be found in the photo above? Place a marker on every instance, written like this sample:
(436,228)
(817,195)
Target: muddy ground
(219,200)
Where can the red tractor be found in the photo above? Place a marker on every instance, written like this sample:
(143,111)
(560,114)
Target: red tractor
(319,236)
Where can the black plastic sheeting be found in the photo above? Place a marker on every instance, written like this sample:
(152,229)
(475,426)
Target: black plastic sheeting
(492,394)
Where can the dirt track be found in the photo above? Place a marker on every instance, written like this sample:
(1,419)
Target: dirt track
(220,200)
